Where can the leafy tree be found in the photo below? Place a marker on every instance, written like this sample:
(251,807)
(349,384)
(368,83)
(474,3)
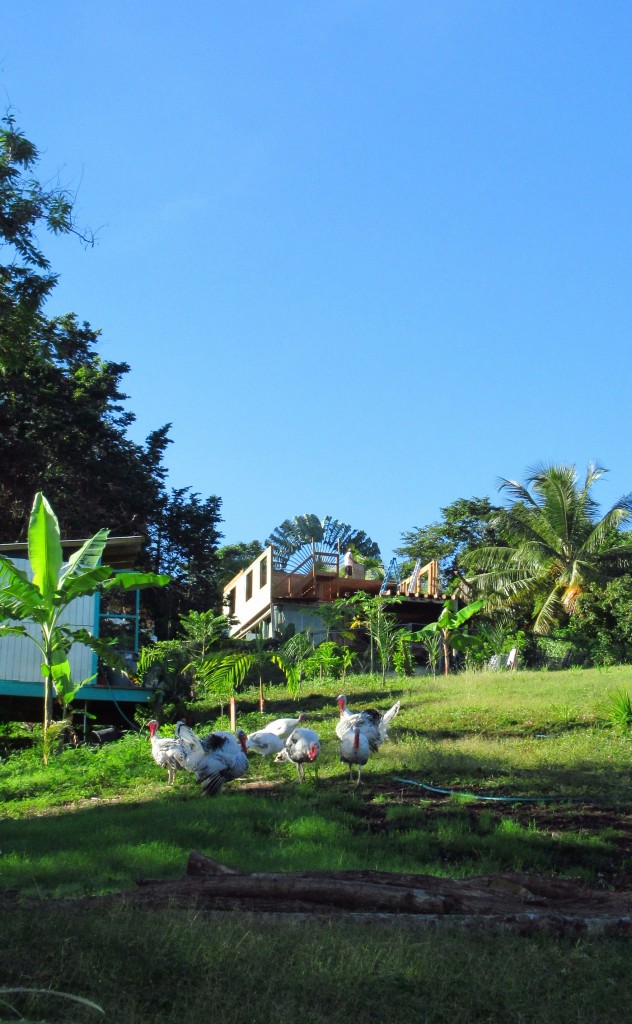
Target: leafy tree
(202,630)
(431,642)
(552,545)
(334,617)
(465,523)
(225,670)
(63,431)
(402,656)
(25,205)
(63,421)
(602,623)
(326,659)
(183,544)
(176,666)
(44,599)
(231,558)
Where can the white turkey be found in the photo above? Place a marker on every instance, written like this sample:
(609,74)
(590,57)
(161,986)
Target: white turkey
(284,726)
(166,751)
(302,747)
(373,723)
(264,743)
(355,750)
(215,759)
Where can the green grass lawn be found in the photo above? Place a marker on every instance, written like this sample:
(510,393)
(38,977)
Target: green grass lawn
(97,819)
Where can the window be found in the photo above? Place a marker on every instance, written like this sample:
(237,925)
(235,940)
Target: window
(263,572)
(249,585)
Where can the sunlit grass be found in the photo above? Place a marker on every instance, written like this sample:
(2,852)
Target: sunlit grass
(96,819)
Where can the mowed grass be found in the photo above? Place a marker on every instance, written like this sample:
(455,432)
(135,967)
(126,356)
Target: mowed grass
(97,820)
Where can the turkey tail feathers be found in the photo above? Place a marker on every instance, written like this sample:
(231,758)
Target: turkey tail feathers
(211,782)
(390,714)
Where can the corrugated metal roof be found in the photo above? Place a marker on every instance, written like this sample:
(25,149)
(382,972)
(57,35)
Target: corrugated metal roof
(120,552)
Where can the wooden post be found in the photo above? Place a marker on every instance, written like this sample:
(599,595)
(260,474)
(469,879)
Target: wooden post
(233,714)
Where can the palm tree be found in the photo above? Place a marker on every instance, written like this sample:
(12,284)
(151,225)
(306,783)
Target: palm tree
(554,544)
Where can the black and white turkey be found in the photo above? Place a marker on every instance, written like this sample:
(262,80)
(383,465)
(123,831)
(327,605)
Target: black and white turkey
(373,723)
(302,747)
(215,759)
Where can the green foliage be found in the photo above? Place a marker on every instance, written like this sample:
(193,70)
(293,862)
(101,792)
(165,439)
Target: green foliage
(228,669)
(431,642)
(183,538)
(164,666)
(232,558)
(464,524)
(555,652)
(298,650)
(63,422)
(618,709)
(552,545)
(190,667)
(45,597)
(450,627)
(372,614)
(327,660)
(602,623)
(402,657)
(495,638)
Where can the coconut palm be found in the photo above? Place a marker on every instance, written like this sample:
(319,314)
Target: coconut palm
(552,544)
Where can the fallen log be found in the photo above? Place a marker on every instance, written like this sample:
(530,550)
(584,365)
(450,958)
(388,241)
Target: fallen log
(512,895)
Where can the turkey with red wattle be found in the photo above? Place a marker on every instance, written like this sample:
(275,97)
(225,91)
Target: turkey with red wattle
(166,751)
(302,747)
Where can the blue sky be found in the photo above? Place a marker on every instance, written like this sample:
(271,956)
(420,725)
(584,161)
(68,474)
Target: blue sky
(367,256)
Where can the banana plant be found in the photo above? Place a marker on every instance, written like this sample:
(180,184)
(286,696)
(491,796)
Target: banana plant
(42,600)
(449,627)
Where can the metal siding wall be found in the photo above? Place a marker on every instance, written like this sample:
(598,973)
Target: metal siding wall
(303,620)
(20,660)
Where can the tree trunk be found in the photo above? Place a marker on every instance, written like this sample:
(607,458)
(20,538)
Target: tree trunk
(446,654)
(346,894)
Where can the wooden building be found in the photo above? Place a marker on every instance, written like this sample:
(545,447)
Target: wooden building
(268,599)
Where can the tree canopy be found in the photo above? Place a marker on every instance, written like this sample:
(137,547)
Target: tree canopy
(63,419)
(464,524)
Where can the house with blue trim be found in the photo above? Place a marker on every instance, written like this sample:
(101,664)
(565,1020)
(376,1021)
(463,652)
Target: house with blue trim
(21,682)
